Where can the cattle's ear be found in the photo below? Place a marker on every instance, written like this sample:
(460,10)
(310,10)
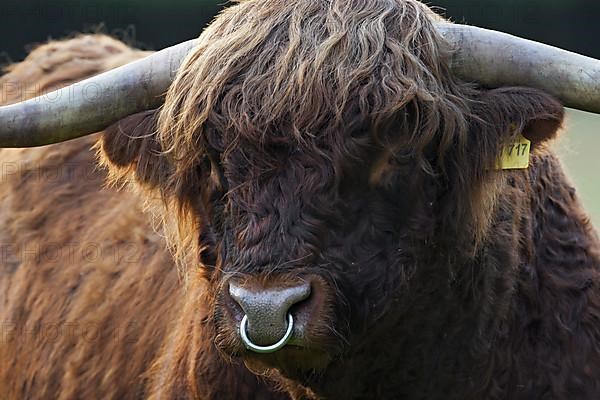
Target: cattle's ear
(535,114)
(131,151)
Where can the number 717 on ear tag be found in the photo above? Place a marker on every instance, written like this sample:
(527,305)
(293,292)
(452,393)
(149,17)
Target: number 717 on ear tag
(515,155)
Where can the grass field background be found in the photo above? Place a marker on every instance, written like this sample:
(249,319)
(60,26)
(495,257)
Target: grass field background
(579,147)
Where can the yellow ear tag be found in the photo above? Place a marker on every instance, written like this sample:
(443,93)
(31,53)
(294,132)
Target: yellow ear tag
(515,155)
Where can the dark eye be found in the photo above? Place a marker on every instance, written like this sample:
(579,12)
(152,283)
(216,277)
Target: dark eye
(208,246)
(212,194)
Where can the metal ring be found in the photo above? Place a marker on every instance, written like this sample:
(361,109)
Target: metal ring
(265,349)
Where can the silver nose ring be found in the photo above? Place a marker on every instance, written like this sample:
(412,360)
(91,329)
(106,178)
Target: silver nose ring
(265,349)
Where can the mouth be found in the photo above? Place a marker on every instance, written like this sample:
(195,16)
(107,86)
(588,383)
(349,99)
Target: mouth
(293,362)
(296,360)
(293,353)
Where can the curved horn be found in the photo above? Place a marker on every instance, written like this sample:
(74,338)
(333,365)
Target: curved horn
(494,59)
(93,104)
(490,58)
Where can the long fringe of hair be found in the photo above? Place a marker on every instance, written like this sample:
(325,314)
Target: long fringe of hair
(305,70)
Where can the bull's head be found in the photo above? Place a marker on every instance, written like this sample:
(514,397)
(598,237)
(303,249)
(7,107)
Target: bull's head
(315,154)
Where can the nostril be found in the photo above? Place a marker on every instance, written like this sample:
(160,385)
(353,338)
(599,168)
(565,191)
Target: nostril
(266,309)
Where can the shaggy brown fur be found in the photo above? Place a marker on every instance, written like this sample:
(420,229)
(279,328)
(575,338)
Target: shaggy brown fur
(326,139)
(89,292)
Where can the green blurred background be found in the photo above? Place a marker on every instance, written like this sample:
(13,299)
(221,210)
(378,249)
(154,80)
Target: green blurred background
(154,24)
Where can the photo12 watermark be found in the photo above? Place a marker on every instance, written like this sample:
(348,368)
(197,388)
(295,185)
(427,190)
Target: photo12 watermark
(56,253)
(68,331)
